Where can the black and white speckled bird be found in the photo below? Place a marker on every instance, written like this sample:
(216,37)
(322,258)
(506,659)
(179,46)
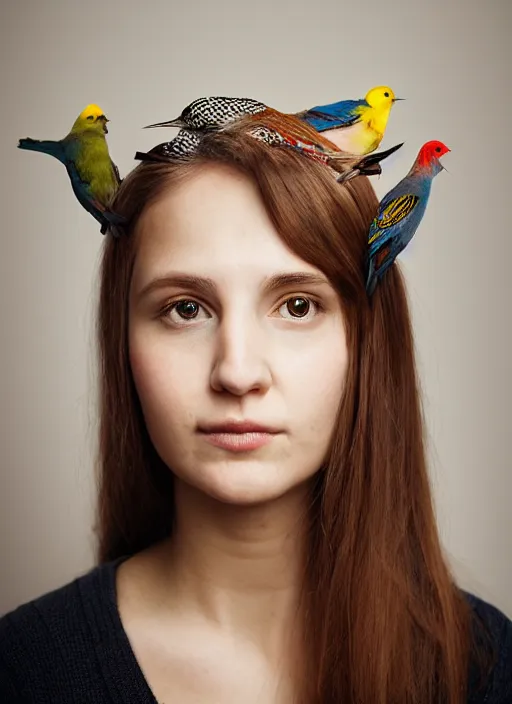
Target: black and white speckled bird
(182,146)
(214,113)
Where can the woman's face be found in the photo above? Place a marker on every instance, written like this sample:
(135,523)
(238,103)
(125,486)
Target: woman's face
(229,327)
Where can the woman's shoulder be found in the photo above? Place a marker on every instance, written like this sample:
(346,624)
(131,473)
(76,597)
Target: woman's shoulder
(58,609)
(57,635)
(497,632)
(491,614)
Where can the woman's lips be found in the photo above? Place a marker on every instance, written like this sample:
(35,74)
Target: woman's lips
(239,442)
(238,436)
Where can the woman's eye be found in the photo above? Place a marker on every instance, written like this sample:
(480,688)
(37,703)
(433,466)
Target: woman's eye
(298,307)
(183,310)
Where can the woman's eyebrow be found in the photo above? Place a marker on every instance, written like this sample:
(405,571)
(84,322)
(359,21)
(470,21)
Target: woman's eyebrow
(296,278)
(207,286)
(200,284)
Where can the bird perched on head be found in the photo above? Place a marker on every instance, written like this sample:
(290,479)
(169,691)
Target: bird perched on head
(344,166)
(355,126)
(401,211)
(278,130)
(84,152)
(208,114)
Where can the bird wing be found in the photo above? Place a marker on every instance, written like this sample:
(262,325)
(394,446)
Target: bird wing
(393,215)
(89,158)
(83,192)
(340,114)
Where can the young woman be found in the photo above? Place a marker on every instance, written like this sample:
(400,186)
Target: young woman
(265,524)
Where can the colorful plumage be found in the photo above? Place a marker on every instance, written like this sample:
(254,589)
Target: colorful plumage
(355,126)
(401,211)
(220,113)
(345,166)
(279,130)
(84,152)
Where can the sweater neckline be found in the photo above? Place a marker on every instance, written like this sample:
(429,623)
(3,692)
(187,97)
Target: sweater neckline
(119,666)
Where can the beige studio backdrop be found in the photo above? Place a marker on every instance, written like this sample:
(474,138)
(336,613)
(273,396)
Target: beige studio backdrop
(143,62)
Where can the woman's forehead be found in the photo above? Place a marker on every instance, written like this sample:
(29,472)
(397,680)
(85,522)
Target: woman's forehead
(212,224)
(214,195)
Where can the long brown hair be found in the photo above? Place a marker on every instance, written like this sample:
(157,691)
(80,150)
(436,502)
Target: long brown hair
(384,621)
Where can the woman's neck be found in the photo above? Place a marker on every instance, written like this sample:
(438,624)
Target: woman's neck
(238,567)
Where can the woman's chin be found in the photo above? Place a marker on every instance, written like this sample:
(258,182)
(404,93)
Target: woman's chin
(245,484)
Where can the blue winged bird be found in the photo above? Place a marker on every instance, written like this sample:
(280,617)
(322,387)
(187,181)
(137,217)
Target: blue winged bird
(356,126)
(401,211)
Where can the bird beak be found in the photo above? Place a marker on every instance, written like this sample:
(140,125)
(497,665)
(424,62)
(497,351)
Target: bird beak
(159,124)
(443,167)
(395,99)
(104,119)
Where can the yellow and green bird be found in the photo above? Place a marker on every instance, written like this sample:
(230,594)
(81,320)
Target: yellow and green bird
(84,152)
(355,126)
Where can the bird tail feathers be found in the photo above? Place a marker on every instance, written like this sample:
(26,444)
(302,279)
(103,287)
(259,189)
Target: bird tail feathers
(371,279)
(113,222)
(150,156)
(378,264)
(368,165)
(45,146)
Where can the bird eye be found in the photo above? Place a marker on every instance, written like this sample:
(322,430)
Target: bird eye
(90,117)
(386,94)
(438,150)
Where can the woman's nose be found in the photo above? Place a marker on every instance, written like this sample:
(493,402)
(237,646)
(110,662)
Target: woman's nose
(241,362)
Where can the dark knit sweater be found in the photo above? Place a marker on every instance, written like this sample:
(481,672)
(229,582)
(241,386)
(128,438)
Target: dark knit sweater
(69,647)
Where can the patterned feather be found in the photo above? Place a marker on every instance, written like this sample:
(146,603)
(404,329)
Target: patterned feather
(182,146)
(340,114)
(400,213)
(213,113)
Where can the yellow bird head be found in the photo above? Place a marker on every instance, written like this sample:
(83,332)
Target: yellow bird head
(92,117)
(381,97)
